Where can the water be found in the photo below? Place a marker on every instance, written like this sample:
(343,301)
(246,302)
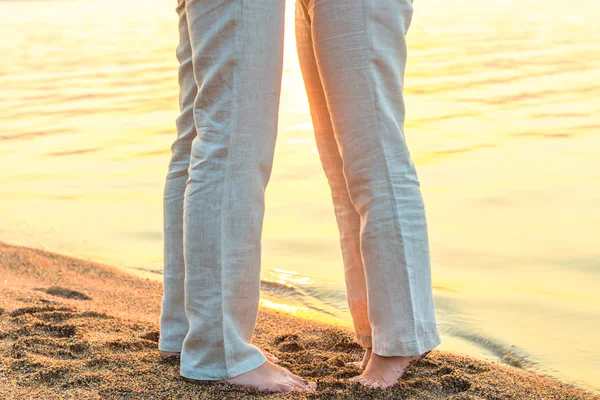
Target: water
(502,99)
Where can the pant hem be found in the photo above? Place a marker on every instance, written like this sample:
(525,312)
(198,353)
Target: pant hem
(170,348)
(197,374)
(425,343)
(170,345)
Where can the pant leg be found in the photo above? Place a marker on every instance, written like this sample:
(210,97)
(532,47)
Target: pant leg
(360,50)
(173,320)
(347,217)
(237,54)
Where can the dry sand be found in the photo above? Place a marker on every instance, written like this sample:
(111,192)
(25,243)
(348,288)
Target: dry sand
(76,329)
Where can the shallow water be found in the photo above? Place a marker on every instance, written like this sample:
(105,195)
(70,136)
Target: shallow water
(502,100)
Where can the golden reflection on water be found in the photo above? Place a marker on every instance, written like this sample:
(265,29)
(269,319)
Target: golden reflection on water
(502,100)
(302,312)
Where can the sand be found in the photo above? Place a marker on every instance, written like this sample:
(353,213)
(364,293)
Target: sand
(75,329)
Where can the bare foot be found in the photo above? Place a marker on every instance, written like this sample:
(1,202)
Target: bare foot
(384,372)
(167,354)
(363,363)
(270,377)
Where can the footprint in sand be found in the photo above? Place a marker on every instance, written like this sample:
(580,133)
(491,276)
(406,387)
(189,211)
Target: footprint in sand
(38,334)
(65,293)
(34,310)
(289,343)
(433,375)
(120,345)
(55,348)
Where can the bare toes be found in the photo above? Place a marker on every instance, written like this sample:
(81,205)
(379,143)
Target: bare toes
(362,380)
(365,382)
(369,382)
(281,387)
(302,387)
(357,364)
(308,385)
(302,382)
(377,384)
(299,386)
(298,379)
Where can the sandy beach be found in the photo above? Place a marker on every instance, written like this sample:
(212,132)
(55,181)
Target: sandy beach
(501,122)
(71,328)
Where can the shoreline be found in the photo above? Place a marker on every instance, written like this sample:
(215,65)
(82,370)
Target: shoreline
(72,328)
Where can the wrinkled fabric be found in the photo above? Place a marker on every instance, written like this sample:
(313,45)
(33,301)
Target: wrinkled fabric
(353,56)
(231,60)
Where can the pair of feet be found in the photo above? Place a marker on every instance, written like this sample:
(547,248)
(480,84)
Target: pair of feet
(378,372)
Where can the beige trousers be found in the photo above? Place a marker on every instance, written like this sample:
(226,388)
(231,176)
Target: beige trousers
(231,60)
(353,55)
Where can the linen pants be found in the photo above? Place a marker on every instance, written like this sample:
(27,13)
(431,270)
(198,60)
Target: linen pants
(231,56)
(353,55)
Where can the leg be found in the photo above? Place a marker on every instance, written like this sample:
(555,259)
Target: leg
(173,320)
(348,219)
(360,51)
(237,56)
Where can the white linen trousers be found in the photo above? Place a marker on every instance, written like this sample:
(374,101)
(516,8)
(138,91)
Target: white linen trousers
(231,61)
(352,55)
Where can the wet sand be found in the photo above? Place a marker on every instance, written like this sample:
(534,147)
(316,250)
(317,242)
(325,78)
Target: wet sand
(71,328)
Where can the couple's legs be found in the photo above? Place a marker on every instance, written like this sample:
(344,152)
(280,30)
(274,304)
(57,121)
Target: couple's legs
(222,160)
(353,56)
